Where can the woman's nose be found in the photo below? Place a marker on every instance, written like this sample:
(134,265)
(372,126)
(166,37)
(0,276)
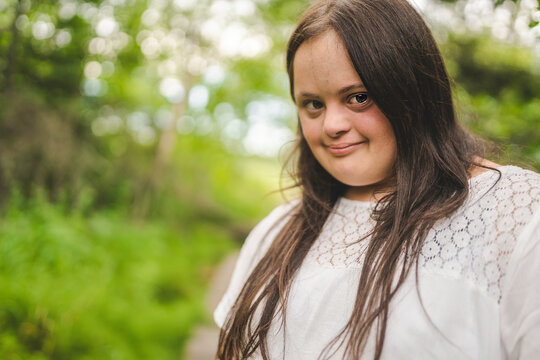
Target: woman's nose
(335,121)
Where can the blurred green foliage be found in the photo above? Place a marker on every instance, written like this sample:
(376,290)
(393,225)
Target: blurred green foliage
(98,286)
(125,170)
(497,87)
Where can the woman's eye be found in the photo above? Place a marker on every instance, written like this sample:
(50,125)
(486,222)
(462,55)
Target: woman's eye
(359,99)
(313,105)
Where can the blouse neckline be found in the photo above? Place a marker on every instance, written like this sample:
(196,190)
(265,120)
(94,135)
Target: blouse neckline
(343,201)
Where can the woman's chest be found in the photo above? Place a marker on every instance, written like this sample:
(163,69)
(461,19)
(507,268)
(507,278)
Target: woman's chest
(446,318)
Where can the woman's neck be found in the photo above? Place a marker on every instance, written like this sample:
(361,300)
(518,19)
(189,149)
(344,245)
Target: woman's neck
(376,192)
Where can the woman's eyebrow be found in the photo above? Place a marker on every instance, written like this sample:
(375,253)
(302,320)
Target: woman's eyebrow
(307,95)
(346,89)
(342,91)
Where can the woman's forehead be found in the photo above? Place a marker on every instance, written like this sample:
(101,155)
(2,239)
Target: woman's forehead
(322,64)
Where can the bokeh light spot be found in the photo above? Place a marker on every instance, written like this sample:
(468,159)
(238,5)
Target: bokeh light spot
(172,89)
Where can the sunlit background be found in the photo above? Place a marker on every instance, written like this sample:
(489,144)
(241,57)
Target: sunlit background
(139,141)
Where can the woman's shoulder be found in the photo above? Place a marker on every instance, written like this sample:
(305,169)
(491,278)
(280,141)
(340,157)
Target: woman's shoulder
(505,198)
(516,174)
(262,235)
(276,217)
(284,209)
(511,185)
(477,241)
(254,248)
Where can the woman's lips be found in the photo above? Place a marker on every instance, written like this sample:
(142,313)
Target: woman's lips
(343,148)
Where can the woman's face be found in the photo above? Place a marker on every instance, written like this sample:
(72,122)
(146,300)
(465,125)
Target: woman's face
(346,131)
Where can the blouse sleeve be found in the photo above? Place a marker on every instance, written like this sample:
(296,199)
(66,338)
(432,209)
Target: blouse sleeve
(254,248)
(520,302)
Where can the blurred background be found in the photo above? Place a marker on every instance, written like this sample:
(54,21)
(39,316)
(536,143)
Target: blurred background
(139,141)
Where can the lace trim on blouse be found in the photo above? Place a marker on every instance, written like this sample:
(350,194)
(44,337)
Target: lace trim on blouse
(474,243)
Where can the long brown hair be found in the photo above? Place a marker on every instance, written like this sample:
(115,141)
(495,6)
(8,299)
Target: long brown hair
(399,63)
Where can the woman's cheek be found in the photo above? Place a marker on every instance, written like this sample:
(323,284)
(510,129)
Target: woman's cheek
(311,132)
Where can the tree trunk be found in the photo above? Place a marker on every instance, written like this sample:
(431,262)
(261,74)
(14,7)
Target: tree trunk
(11,56)
(165,148)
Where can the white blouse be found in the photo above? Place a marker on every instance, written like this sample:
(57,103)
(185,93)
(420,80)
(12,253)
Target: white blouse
(478,277)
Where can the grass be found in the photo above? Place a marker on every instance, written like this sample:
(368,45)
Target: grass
(98,286)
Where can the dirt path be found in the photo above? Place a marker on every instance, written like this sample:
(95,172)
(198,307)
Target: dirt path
(203,344)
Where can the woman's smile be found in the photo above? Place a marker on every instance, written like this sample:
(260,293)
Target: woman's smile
(342,149)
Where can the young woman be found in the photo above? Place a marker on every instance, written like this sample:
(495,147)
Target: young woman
(406,243)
